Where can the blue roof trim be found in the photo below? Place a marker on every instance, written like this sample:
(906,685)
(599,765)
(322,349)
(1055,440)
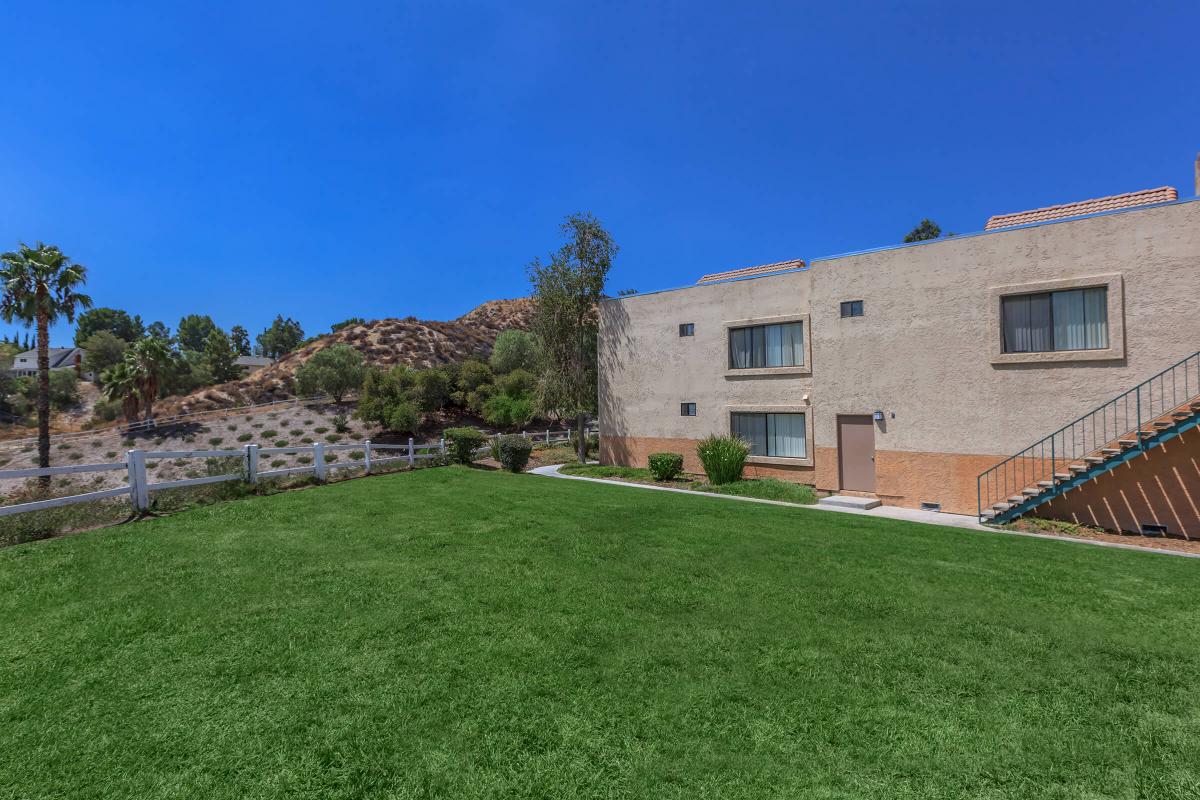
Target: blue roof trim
(713,283)
(1006,229)
(811,262)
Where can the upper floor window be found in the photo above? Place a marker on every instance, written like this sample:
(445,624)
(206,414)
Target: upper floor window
(852,308)
(687,409)
(1073,319)
(758,346)
(687,329)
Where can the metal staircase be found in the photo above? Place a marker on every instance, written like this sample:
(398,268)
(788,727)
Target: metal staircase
(1155,411)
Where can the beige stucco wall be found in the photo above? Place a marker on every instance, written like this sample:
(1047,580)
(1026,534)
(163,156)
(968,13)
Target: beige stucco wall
(924,351)
(647,369)
(924,348)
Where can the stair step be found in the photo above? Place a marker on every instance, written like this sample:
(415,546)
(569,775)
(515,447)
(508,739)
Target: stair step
(989,515)
(1164,424)
(1050,484)
(1127,443)
(1194,406)
(1182,415)
(1017,499)
(1078,468)
(1062,476)
(1112,451)
(1094,459)
(1002,506)
(1031,492)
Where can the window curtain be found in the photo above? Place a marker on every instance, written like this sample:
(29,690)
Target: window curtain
(1070,331)
(793,344)
(739,348)
(786,435)
(753,429)
(1095,312)
(1026,323)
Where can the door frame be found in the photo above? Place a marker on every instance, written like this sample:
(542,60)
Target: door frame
(841,452)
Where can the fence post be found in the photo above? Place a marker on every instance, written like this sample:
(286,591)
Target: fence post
(524,435)
(442,443)
(367,455)
(411,460)
(319,461)
(252,464)
(138,495)
(568,435)
(547,436)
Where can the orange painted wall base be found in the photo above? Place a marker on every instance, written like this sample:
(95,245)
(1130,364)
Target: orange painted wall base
(902,479)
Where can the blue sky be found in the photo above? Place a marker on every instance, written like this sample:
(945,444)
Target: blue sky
(327,160)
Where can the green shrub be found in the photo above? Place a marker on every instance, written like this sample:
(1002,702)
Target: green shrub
(665,466)
(463,442)
(245,437)
(269,434)
(320,429)
(304,459)
(723,457)
(306,440)
(593,443)
(106,410)
(277,463)
(506,411)
(296,431)
(76,456)
(64,446)
(356,436)
(216,440)
(514,452)
(256,424)
(281,443)
(111,454)
(356,455)
(404,417)
(331,457)
(341,422)
(333,438)
(233,428)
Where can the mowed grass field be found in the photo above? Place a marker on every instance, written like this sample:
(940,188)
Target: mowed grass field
(460,633)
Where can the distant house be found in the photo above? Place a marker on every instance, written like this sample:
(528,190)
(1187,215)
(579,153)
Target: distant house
(253,363)
(25,364)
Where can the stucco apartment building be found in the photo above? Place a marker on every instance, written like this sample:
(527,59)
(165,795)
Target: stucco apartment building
(906,372)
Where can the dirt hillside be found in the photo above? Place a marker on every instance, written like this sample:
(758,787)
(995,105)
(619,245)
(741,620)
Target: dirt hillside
(383,343)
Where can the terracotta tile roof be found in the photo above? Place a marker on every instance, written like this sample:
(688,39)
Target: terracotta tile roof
(746,272)
(1145,197)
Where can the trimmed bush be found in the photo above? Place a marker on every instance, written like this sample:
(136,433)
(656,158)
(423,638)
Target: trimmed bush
(333,438)
(270,434)
(281,443)
(514,452)
(723,457)
(320,429)
(463,442)
(296,431)
(245,437)
(277,463)
(216,440)
(665,466)
(341,423)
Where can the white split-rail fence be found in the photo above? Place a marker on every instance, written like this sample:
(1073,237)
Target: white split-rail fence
(139,486)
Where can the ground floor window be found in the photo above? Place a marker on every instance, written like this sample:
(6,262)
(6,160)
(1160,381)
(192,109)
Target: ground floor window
(781,435)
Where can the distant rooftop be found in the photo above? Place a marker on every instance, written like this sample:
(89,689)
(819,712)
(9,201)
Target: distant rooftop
(1145,197)
(746,272)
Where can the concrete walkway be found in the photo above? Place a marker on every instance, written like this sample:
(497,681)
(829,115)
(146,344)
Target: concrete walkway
(888,512)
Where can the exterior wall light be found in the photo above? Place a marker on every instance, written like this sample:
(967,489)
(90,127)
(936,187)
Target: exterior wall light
(878,416)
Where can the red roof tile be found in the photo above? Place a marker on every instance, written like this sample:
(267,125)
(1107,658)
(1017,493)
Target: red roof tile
(746,272)
(1145,197)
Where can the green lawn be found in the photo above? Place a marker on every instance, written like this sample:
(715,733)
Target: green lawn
(460,633)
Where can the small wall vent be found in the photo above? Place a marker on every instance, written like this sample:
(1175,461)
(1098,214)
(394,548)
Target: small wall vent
(931,506)
(1154,529)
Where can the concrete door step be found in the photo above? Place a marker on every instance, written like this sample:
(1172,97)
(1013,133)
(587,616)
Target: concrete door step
(848,501)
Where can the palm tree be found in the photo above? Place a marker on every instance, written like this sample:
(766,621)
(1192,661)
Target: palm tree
(121,383)
(148,360)
(40,284)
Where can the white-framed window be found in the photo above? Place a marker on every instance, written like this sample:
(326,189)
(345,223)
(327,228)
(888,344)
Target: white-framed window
(1044,322)
(760,346)
(687,409)
(772,434)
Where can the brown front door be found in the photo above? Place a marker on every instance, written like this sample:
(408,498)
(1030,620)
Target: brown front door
(856,452)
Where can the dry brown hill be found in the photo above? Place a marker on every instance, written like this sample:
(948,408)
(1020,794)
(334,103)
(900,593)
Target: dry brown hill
(383,343)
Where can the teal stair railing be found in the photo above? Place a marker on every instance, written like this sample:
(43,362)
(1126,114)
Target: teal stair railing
(1128,422)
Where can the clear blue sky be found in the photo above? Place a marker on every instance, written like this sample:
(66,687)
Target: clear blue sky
(327,160)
